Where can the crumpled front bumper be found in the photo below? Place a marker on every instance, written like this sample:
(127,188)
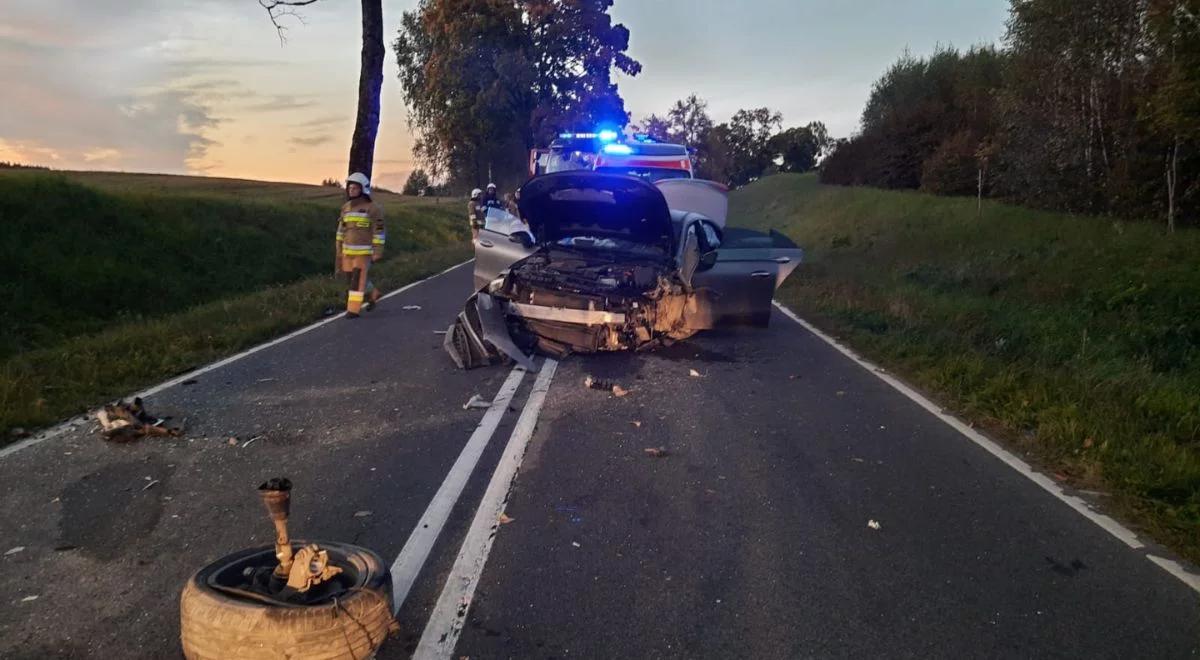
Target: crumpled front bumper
(479,336)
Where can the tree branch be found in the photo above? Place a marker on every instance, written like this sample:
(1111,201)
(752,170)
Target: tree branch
(277,9)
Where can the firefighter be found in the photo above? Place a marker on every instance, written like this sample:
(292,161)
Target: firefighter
(360,240)
(476,213)
(491,200)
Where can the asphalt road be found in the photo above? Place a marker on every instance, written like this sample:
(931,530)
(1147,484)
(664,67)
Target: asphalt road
(748,537)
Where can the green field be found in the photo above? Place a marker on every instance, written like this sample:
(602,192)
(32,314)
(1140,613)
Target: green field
(1076,339)
(115,281)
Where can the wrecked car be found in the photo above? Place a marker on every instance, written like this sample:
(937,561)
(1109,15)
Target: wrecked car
(606,262)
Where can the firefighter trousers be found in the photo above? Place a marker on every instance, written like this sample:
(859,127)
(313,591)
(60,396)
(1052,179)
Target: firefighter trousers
(360,288)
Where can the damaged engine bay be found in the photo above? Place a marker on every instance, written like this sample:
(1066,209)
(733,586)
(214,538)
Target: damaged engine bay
(563,300)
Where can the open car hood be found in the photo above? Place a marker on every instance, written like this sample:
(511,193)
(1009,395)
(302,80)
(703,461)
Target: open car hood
(581,203)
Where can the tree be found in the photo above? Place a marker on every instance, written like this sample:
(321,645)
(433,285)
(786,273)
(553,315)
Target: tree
(1173,108)
(417,183)
(532,68)
(798,149)
(370,77)
(740,150)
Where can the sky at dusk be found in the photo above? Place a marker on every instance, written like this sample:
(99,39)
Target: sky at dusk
(204,86)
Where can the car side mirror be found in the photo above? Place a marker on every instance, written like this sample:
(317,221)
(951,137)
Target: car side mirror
(707,260)
(523,238)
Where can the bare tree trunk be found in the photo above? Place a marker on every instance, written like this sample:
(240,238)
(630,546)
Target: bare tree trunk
(979,199)
(1172,179)
(370,86)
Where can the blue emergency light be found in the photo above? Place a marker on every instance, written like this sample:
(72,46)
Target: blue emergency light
(618,149)
(607,135)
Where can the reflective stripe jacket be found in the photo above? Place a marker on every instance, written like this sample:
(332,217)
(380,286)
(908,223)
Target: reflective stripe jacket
(360,229)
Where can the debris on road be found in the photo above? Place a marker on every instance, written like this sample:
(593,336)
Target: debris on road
(574,543)
(265,380)
(504,519)
(150,484)
(605,386)
(440,332)
(190,381)
(694,374)
(857,459)
(636,424)
(657,452)
(362,514)
(19,432)
(232,440)
(254,439)
(125,422)
(411,308)
(13,551)
(841,393)
(873,524)
(29,599)
(477,401)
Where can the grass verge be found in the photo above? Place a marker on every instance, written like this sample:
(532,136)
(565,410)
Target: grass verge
(1075,339)
(43,386)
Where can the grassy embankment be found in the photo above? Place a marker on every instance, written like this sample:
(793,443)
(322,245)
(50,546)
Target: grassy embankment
(114,281)
(1075,339)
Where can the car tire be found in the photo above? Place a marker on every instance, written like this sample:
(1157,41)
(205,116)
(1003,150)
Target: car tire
(215,624)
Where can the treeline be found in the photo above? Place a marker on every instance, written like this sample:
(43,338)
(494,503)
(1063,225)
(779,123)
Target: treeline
(1091,106)
(750,145)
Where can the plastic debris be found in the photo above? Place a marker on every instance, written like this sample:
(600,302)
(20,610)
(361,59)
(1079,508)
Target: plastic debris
(873,524)
(574,543)
(504,519)
(411,308)
(694,374)
(477,401)
(605,386)
(636,424)
(29,599)
(125,422)
(657,452)
(362,514)
(13,551)
(255,438)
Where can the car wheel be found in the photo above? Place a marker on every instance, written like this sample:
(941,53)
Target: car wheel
(351,620)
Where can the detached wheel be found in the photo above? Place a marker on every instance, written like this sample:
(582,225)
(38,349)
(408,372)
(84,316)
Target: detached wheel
(348,617)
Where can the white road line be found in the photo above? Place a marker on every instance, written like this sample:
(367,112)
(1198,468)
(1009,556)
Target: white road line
(1108,524)
(416,549)
(60,429)
(446,623)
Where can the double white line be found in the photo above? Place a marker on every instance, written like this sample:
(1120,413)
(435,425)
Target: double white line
(446,622)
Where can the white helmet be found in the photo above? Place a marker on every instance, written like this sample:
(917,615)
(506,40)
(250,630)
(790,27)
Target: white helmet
(491,186)
(362,180)
(475,193)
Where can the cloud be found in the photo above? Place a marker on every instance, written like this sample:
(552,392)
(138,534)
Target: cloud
(322,122)
(280,103)
(313,141)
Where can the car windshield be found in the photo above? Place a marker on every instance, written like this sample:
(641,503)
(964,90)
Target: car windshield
(503,222)
(650,174)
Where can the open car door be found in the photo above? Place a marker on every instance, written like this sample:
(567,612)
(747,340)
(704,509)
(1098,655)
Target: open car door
(503,241)
(737,289)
